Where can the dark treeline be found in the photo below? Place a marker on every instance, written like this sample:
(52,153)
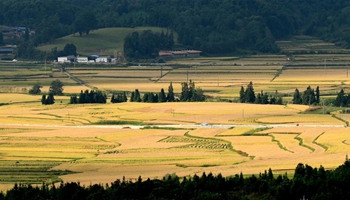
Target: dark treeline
(189,93)
(308,182)
(147,44)
(308,97)
(89,97)
(248,96)
(214,26)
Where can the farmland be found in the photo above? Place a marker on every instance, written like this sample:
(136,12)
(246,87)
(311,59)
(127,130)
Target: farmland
(98,143)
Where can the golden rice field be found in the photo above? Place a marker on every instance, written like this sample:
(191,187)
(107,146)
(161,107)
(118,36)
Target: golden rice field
(63,141)
(99,143)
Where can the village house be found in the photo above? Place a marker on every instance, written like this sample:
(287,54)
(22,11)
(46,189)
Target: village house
(179,54)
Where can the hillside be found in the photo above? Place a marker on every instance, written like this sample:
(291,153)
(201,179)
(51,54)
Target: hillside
(105,41)
(215,27)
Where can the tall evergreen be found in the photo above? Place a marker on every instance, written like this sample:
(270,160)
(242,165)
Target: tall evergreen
(132,96)
(296,97)
(43,99)
(242,96)
(50,99)
(137,96)
(184,92)
(170,97)
(161,96)
(308,96)
(341,99)
(317,95)
(249,93)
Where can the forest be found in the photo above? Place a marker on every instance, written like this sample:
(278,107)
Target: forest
(307,182)
(214,26)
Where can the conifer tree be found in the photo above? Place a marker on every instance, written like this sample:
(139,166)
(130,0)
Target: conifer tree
(43,99)
(170,97)
(125,99)
(50,99)
(296,97)
(161,96)
(340,100)
(242,97)
(317,95)
(249,93)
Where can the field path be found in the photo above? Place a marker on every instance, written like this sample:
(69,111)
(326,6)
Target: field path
(80,81)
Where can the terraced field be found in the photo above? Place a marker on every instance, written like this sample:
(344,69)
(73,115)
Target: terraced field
(98,143)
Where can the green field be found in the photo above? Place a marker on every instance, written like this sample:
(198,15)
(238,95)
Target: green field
(107,41)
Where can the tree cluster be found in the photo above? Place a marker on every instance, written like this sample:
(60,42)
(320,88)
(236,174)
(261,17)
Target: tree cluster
(342,99)
(48,100)
(87,96)
(36,89)
(56,87)
(248,96)
(119,98)
(308,182)
(147,44)
(308,97)
(189,92)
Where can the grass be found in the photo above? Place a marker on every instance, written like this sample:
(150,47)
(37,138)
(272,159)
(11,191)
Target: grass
(252,132)
(301,143)
(106,41)
(280,145)
(321,145)
(114,122)
(30,172)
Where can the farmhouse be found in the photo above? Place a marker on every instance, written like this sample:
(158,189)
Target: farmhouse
(6,50)
(103,59)
(82,59)
(179,54)
(66,59)
(62,59)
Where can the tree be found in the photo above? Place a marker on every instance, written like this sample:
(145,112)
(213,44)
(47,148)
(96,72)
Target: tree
(137,96)
(317,95)
(73,99)
(69,49)
(296,97)
(85,22)
(198,95)
(56,87)
(43,99)
(161,96)
(308,96)
(184,92)
(50,99)
(264,98)
(341,100)
(35,89)
(249,93)
(170,97)
(242,95)
(258,99)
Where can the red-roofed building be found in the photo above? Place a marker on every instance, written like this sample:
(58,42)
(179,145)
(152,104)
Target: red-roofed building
(179,54)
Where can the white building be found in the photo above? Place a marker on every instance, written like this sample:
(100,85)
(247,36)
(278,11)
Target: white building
(62,59)
(82,59)
(103,59)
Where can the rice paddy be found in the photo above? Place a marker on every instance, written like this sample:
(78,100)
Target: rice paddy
(98,143)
